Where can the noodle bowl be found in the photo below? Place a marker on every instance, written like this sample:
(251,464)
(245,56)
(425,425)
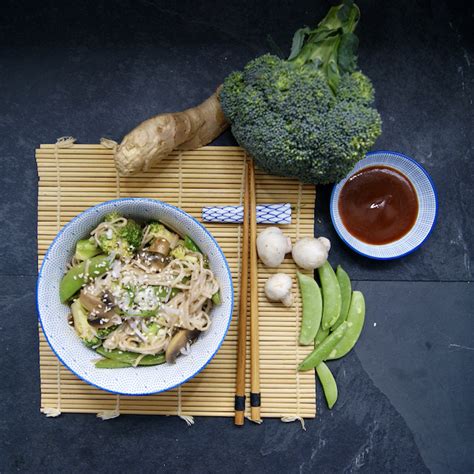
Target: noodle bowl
(150,295)
(81,359)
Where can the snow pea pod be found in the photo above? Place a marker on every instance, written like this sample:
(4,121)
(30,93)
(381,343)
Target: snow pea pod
(328,383)
(85,249)
(163,292)
(131,357)
(190,244)
(111,364)
(76,276)
(355,323)
(331,295)
(322,334)
(322,351)
(216,298)
(312,308)
(346,293)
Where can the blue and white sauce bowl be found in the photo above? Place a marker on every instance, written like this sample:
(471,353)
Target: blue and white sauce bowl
(69,348)
(427,207)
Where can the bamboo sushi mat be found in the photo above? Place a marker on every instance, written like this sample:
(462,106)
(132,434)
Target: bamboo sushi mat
(75,177)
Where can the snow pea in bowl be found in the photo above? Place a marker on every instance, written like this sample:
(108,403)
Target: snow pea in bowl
(141,305)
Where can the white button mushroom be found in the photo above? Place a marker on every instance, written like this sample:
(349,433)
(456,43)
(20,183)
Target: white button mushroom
(310,253)
(272,246)
(278,288)
(325,242)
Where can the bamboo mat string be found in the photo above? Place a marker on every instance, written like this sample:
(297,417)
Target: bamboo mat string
(58,227)
(112,145)
(117,180)
(62,142)
(188,419)
(110,414)
(290,418)
(108,143)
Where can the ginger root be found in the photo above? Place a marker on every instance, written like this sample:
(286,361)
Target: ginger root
(157,137)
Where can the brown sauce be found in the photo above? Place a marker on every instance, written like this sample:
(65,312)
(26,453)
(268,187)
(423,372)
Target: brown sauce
(378,205)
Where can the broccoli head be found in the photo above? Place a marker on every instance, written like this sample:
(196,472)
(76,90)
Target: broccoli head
(112,216)
(311,116)
(124,240)
(131,233)
(179,252)
(103,333)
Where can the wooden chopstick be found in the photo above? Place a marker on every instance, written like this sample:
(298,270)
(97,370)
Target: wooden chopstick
(254,329)
(239,417)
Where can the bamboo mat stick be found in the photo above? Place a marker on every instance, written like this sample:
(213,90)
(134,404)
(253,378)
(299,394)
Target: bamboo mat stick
(242,324)
(254,329)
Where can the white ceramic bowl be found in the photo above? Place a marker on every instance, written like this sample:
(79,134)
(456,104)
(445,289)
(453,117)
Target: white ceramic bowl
(427,207)
(76,356)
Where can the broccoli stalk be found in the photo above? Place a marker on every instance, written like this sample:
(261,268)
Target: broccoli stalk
(331,46)
(86,332)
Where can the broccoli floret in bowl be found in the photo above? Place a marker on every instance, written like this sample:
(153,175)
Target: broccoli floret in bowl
(120,235)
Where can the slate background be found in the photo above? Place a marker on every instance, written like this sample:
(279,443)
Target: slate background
(96,68)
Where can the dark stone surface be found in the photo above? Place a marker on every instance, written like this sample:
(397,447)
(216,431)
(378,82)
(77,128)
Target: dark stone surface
(405,402)
(93,69)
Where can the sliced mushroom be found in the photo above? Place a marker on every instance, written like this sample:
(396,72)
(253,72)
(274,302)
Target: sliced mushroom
(160,245)
(154,261)
(105,321)
(108,299)
(178,342)
(100,308)
(90,301)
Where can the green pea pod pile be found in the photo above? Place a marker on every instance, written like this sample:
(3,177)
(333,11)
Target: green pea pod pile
(320,336)
(335,321)
(321,353)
